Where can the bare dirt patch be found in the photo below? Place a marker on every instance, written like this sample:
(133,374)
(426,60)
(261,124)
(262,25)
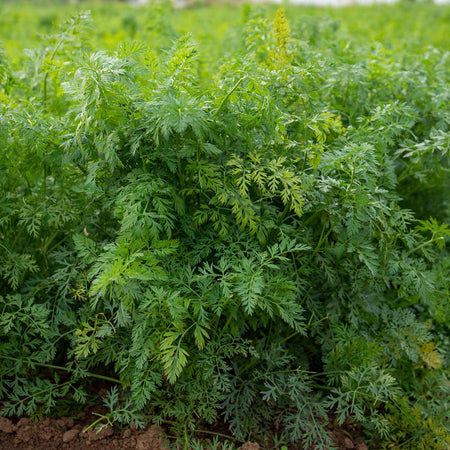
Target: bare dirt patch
(71,434)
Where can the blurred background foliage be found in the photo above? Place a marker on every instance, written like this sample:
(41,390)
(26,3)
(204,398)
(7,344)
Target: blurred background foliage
(402,25)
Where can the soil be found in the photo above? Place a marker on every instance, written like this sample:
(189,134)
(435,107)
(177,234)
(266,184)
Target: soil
(70,434)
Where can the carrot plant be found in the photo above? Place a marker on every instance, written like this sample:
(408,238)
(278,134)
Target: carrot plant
(260,242)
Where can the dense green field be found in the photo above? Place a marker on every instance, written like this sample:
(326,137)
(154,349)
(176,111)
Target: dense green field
(229,214)
(409,25)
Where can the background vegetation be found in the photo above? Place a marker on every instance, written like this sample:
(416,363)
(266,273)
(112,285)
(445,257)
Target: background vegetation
(246,224)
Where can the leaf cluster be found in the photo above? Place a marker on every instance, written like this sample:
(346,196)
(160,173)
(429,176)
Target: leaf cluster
(232,247)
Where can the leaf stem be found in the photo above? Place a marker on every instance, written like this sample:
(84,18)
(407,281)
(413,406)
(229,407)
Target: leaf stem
(67,369)
(424,244)
(201,430)
(228,95)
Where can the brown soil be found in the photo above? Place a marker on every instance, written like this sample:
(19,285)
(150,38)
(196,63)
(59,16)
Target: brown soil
(70,434)
(65,434)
